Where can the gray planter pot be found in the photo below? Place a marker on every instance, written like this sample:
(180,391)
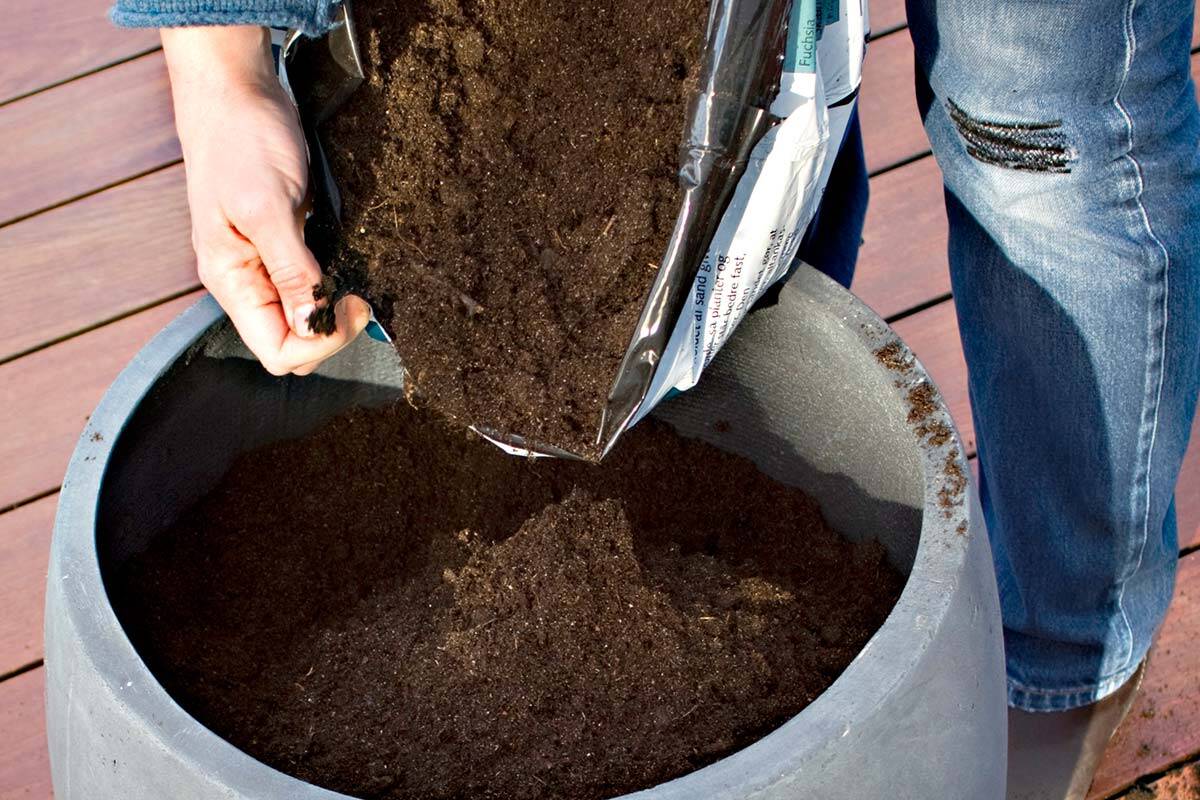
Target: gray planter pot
(918,714)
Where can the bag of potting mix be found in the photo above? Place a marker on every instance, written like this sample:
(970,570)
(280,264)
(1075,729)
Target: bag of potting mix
(778,86)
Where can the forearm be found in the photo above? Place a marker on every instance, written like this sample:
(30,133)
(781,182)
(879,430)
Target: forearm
(207,64)
(310,16)
(247,176)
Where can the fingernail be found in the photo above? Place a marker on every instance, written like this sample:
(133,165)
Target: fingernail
(300,319)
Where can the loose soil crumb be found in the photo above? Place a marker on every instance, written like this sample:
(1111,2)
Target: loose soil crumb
(450,622)
(892,356)
(922,402)
(950,495)
(938,433)
(509,179)
(956,481)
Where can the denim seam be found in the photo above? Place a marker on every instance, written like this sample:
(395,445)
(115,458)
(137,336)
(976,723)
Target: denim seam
(1151,407)
(1086,687)
(1038,700)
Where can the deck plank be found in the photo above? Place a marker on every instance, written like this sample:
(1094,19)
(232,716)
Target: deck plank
(887,16)
(24,555)
(887,104)
(24,762)
(1163,727)
(902,263)
(84,135)
(1181,783)
(90,261)
(1187,493)
(47,397)
(47,43)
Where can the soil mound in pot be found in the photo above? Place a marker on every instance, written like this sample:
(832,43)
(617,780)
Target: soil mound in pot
(439,620)
(509,183)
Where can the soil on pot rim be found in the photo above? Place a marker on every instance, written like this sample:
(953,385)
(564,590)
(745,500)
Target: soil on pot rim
(509,180)
(440,620)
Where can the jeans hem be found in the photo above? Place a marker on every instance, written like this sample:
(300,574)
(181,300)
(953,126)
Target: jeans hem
(1028,698)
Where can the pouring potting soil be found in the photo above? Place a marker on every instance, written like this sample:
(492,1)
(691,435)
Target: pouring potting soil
(508,177)
(451,622)
(400,610)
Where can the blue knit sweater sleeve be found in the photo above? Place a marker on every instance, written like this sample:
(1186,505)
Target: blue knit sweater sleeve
(311,16)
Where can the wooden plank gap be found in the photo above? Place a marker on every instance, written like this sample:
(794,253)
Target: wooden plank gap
(876,35)
(917,309)
(904,162)
(88,277)
(19,671)
(87,134)
(887,105)
(158,301)
(92,71)
(1180,781)
(886,17)
(91,192)
(49,43)
(27,501)
(49,396)
(902,265)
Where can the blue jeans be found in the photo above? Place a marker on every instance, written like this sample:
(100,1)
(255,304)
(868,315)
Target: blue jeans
(1069,140)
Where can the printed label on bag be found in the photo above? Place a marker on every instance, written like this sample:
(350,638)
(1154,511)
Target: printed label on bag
(760,233)
(801,54)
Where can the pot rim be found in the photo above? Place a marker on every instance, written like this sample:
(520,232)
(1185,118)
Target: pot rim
(894,651)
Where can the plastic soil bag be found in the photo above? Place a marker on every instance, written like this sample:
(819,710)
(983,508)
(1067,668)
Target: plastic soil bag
(777,86)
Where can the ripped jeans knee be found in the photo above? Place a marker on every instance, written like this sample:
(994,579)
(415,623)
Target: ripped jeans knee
(1037,146)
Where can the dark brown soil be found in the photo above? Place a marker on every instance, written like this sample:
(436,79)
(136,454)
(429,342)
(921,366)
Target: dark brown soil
(509,180)
(439,620)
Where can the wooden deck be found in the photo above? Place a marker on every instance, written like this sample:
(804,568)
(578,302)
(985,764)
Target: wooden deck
(95,253)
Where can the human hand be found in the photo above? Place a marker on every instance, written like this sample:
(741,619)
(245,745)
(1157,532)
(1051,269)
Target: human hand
(247,178)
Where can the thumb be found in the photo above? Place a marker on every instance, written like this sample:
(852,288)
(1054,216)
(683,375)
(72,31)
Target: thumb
(291,266)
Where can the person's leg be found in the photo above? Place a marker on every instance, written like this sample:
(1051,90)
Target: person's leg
(1068,137)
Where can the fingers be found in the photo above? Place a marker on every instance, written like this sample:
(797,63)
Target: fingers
(237,278)
(297,355)
(277,231)
(352,314)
